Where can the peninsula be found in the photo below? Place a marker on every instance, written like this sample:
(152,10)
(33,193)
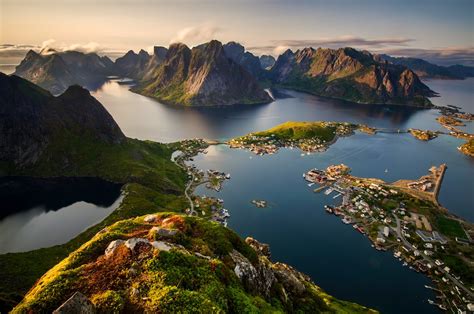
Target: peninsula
(406,218)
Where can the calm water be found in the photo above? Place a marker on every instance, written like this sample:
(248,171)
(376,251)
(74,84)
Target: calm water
(144,118)
(53,212)
(298,230)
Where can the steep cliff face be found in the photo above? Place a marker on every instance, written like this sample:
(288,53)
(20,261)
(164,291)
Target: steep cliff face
(202,76)
(56,71)
(169,263)
(132,64)
(141,66)
(247,60)
(349,74)
(31,119)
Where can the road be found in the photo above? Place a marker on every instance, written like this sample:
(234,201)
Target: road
(188,185)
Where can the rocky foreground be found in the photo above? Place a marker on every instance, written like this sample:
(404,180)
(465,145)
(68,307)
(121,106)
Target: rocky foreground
(173,263)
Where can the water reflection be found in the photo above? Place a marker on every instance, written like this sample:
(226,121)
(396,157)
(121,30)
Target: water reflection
(145,118)
(54,211)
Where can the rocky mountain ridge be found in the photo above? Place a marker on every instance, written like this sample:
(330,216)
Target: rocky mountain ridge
(202,76)
(425,69)
(56,71)
(216,74)
(349,74)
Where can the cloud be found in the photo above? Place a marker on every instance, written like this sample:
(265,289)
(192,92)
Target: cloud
(441,56)
(14,53)
(196,34)
(276,46)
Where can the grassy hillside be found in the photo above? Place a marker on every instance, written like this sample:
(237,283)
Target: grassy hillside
(301,130)
(151,183)
(195,275)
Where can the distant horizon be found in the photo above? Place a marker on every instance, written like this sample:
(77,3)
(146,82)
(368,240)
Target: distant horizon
(435,30)
(16,57)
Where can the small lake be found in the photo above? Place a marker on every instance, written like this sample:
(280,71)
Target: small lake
(39,213)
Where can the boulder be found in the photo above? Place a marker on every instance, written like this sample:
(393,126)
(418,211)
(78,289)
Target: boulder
(132,242)
(163,232)
(113,246)
(202,255)
(244,270)
(291,279)
(259,278)
(151,218)
(160,245)
(77,304)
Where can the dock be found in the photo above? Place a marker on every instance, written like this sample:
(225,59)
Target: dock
(439,180)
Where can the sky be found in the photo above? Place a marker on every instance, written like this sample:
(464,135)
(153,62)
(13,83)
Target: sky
(440,31)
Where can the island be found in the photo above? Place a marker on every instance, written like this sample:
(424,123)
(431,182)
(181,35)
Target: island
(308,136)
(467,148)
(406,218)
(423,135)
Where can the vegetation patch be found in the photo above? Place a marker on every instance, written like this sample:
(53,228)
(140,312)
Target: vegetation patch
(450,227)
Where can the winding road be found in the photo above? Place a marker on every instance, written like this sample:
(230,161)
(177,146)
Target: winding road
(188,186)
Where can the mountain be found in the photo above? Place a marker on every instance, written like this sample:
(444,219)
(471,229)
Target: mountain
(132,64)
(237,53)
(31,119)
(141,66)
(56,71)
(267,61)
(426,69)
(351,75)
(202,76)
(463,71)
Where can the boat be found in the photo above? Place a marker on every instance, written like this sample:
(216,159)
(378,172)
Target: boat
(310,184)
(328,191)
(336,196)
(386,170)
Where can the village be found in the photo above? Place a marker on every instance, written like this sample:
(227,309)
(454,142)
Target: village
(395,217)
(206,207)
(263,143)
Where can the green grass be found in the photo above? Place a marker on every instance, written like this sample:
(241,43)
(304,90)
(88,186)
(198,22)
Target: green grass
(301,130)
(174,281)
(151,181)
(450,227)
